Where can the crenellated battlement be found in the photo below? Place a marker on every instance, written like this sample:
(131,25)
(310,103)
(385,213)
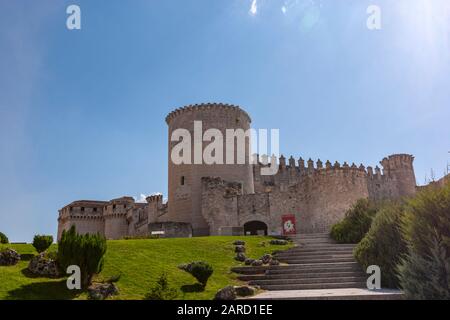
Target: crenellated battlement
(209,106)
(155,198)
(311,167)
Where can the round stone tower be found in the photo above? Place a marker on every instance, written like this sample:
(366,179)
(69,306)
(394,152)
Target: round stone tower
(400,167)
(185,189)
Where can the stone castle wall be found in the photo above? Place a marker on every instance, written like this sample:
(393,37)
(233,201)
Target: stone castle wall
(208,199)
(317,194)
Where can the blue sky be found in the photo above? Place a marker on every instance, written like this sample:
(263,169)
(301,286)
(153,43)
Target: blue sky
(82,112)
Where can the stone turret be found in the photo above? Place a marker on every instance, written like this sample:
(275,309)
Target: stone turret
(400,167)
(155,203)
(185,179)
(115,215)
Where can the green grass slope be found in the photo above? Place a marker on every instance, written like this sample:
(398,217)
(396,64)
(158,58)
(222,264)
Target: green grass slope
(140,262)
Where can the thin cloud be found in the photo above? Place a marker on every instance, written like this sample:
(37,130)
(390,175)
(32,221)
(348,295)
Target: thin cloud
(253,8)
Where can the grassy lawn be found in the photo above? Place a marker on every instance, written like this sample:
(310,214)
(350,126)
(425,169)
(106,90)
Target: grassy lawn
(140,262)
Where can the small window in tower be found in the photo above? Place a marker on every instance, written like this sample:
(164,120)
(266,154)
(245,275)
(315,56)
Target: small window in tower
(182,180)
(82,208)
(95,209)
(114,206)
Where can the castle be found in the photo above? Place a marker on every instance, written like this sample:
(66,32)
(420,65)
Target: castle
(235,199)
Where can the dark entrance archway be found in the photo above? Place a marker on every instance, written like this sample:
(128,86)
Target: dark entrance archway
(255,227)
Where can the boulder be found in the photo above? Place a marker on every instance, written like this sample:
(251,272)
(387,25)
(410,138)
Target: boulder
(101,291)
(227,293)
(240,256)
(266,258)
(249,261)
(42,266)
(274,262)
(239,243)
(239,248)
(279,242)
(257,263)
(244,291)
(9,257)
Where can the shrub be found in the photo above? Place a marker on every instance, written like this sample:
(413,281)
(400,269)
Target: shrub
(42,242)
(383,244)
(85,251)
(114,278)
(356,222)
(3,238)
(161,290)
(425,271)
(200,270)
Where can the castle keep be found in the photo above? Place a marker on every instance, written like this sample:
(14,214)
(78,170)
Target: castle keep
(226,199)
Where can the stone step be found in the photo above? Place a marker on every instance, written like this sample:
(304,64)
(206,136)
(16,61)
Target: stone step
(319,280)
(315,241)
(314,258)
(314,271)
(309,234)
(314,254)
(304,267)
(309,286)
(314,266)
(302,275)
(250,270)
(322,246)
(316,249)
(317,260)
(331,294)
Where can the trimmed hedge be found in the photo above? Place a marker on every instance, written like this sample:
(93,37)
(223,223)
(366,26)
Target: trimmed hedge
(383,244)
(42,242)
(200,270)
(356,222)
(425,271)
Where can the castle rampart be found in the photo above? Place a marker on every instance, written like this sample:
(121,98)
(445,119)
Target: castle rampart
(233,198)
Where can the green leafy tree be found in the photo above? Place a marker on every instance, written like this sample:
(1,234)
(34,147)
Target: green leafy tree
(42,242)
(356,222)
(383,245)
(86,251)
(425,271)
(3,238)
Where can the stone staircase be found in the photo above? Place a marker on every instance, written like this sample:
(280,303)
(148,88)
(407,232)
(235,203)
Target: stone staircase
(317,262)
(317,268)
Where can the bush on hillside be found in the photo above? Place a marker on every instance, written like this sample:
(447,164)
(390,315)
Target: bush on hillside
(162,290)
(42,242)
(356,222)
(85,251)
(425,271)
(383,244)
(200,270)
(3,238)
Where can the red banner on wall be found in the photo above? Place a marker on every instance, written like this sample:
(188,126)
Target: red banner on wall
(288,222)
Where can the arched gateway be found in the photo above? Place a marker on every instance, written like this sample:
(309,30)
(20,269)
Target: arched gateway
(255,228)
